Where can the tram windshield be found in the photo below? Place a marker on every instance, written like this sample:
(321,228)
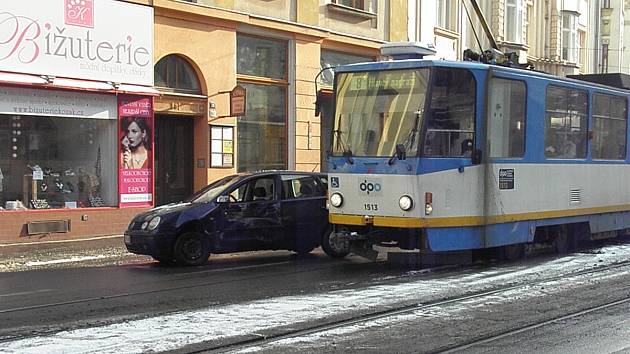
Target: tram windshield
(377,110)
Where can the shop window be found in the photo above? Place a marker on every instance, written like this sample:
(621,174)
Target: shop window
(609,127)
(57,162)
(566,114)
(506,117)
(331,59)
(173,73)
(261,57)
(262,136)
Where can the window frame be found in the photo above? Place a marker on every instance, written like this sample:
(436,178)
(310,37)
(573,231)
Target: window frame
(488,122)
(513,21)
(570,50)
(609,117)
(570,115)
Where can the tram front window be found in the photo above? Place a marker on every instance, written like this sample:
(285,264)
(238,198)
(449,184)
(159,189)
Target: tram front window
(377,110)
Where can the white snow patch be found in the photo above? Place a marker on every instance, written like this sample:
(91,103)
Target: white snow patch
(171,332)
(64,260)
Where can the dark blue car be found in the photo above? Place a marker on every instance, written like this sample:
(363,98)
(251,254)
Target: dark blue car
(242,212)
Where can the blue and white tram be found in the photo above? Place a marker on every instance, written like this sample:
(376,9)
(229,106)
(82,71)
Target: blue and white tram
(446,156)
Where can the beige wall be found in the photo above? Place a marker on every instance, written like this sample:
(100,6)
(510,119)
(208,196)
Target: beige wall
(211,50)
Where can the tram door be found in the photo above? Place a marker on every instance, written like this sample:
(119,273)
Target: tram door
(173,159)
(326,128)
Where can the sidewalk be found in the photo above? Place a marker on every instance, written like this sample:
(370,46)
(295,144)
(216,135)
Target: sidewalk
(98,251)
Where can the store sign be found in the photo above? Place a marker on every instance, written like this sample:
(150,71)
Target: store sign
(24,101)
(78,39)
(135,174)
(237,101)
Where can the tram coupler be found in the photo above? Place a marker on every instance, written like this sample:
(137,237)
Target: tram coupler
(359,244)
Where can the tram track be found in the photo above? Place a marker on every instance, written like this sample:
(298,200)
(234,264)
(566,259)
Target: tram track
(261,339)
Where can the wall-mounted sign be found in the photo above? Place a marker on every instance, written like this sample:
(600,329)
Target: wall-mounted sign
(237,101)
(221,146)
(78,39)
(25,101)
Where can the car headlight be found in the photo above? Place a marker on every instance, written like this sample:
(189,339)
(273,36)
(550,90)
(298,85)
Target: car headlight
(144,225)
(154,223)
(336,200)
(405,202)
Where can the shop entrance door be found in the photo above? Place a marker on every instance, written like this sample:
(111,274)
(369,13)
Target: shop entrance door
(173,159)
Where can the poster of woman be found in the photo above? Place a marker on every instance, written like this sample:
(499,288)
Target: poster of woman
(135,151)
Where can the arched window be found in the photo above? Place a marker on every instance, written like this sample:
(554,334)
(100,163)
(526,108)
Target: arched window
(173,73)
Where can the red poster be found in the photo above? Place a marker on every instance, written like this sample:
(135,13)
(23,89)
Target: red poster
(135,151)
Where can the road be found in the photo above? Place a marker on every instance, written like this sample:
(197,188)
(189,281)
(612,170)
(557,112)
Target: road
(276,302)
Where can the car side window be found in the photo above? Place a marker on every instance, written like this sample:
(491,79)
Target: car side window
(299,186)
(254,190)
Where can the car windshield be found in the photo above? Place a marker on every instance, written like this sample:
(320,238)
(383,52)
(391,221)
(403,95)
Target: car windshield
(213,190)
(375,111)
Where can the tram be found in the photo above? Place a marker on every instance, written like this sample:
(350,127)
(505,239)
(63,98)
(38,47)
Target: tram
(446,156)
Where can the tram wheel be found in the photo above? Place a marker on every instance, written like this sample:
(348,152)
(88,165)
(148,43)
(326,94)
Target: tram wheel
(514,252)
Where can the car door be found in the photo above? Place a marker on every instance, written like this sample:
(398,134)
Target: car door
(304,213)
(252,215)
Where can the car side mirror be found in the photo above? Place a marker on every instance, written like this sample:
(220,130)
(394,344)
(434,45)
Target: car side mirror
(476,157)
(223,199)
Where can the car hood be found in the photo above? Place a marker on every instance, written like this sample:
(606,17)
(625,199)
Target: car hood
(173,209)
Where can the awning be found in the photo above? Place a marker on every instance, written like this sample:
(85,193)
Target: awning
(136,89)
(75,84)
(22,79)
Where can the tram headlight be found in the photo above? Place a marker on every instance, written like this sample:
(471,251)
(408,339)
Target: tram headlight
(336,200)
(405,202)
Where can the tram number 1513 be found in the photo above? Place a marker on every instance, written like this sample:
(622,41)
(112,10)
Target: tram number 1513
(370,207)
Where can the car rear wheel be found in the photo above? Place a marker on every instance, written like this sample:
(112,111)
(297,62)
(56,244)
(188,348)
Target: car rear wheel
(333,245)
(192,248)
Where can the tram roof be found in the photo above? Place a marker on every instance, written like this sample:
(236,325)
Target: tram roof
(471,65)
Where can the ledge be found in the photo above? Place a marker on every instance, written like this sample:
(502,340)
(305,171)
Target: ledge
(351,11)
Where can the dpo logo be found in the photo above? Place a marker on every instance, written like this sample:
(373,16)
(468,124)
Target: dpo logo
(79,13)
(370,187)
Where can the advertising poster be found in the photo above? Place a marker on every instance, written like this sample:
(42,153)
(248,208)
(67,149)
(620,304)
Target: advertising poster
(135,150)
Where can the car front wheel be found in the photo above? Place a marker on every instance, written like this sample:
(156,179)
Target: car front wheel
(334,246)
(192,249)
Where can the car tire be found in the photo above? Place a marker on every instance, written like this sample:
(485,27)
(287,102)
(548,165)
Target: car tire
(192,249)
(304,250)
(333,248)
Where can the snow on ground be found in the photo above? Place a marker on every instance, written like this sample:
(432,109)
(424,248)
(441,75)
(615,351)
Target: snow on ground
(173,331)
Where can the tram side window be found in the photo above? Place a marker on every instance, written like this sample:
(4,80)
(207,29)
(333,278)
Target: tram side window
(451,118)
(609,127)
(506,118)
(566,113)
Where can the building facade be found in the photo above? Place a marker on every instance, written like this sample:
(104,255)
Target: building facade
(202,55)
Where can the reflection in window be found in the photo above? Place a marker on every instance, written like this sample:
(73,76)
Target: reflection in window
(451,117)
(262,139)
(514,21)
(506,118)
(300,187)
(357,4)
(377,110)
(76,157)
(174,73)
(261,57)
(566,123)
(569,37)
(609,127)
